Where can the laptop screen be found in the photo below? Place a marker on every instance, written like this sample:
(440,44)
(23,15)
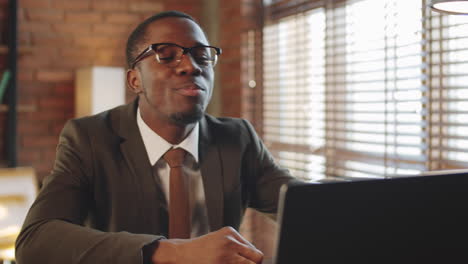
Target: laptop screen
(401,220)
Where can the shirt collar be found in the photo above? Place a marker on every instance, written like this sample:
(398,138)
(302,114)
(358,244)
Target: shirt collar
(156,146)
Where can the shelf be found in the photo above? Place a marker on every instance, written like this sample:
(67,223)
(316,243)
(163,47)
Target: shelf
(21,108)
(21,50)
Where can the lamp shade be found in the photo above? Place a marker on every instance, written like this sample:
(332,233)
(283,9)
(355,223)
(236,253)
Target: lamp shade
(98,88)
(458,7)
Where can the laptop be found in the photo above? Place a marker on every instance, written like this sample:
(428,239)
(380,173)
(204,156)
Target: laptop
(415,219)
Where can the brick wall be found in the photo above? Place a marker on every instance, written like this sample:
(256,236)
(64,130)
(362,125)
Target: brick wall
(240,35)
(230,64)
(57,37)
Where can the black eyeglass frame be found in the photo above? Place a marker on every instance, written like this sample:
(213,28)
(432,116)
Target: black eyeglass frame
(153,47)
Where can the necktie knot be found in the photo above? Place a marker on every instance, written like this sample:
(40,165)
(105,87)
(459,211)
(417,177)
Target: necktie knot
(175,157)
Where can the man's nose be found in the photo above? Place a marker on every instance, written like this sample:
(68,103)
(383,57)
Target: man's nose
(188,66)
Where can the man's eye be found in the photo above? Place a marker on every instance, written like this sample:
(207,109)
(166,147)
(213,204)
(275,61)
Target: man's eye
(165,57)
(202,58)
(166,53)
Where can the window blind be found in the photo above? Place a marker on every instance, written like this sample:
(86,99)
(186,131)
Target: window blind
(364,88)
(448,78)
(294,90)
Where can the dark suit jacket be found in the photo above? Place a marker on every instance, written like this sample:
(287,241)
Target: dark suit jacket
(101,203)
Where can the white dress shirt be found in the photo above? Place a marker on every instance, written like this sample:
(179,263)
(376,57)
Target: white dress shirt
(156,146)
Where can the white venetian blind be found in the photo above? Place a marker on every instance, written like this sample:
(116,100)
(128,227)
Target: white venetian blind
(447,42)
(294,92)
(364,88)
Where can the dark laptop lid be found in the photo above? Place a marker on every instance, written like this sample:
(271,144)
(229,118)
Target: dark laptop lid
(419,219)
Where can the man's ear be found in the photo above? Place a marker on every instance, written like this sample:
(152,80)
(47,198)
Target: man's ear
(133,81)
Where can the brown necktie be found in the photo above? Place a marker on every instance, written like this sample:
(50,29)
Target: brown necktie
(179,207)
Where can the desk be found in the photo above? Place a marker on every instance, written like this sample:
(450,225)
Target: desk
(7,262)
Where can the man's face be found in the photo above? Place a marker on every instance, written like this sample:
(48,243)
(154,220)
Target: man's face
(180,94)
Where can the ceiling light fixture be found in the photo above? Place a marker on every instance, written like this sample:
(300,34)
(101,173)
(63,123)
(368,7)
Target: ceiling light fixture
(457,7)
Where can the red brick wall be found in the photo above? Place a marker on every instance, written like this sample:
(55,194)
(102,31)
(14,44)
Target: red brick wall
(230,64)
(238,18)
(238,99)
(56,37)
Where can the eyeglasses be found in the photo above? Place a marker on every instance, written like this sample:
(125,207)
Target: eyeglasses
(171,54)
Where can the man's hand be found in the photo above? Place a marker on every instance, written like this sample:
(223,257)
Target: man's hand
(225,246)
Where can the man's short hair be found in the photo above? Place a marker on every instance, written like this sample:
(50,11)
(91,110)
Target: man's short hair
(138,34)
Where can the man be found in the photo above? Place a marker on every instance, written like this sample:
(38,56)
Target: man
(108,198)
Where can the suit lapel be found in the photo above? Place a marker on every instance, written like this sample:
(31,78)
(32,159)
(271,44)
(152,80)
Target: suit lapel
(152,200)
(211,171)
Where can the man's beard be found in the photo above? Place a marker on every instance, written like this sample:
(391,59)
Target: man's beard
(183,118)
(186,118)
